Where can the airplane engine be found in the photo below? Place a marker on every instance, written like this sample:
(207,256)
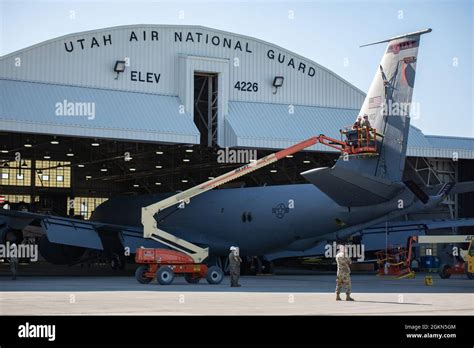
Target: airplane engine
(59,254)
(12,236)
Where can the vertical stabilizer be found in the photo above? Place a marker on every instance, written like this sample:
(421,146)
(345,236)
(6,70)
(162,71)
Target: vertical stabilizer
(388,104)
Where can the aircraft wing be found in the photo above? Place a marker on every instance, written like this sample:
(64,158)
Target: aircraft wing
(463,187)
(419,225)
(374,237)
(75,232)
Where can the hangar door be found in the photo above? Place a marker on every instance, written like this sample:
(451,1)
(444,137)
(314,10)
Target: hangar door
(206,106)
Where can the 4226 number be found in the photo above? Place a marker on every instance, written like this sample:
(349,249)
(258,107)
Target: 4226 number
(246,86)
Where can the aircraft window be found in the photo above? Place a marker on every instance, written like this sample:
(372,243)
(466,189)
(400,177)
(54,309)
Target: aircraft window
(249,217)
(244,217)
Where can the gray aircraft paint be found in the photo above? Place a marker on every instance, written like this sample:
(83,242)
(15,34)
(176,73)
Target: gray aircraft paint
(215,218)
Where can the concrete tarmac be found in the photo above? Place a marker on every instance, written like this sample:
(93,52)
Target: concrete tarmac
(259,295)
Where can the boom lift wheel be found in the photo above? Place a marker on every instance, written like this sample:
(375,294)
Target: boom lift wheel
(214,275)
(140,275)
(165,275)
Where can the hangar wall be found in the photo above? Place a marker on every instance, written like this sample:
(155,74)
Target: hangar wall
(88,58)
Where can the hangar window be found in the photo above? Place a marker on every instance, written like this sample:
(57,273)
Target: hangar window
(16,173)
(85,206)
(53,174)
(205,106)
(18,198)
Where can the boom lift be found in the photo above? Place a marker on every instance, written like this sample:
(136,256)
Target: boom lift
(187,258)
(395,262)
(359,141)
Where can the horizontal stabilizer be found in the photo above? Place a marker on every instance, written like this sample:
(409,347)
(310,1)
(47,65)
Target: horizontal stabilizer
(417,191)
(351,189)
(420,32)
(463,187)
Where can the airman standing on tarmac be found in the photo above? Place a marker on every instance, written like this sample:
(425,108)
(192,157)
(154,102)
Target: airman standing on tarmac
(343,279)
(14,259)
(234,263)
(14,266)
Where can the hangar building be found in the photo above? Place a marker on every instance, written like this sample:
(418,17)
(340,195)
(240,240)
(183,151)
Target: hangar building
(147,108)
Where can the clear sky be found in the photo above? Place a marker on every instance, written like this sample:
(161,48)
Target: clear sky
(328,32)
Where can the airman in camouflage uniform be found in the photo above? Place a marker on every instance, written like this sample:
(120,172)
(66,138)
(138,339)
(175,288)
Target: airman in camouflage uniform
(14,257)
(14,266)
(343,279)
(234,263)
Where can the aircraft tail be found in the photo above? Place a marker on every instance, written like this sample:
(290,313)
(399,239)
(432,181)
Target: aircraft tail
(361,180)
(388,104)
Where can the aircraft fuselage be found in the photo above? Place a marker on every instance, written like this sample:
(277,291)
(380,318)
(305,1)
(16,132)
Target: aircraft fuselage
(258,219)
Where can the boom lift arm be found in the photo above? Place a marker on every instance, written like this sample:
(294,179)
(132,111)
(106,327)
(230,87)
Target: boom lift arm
(150,225)
(198,254)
